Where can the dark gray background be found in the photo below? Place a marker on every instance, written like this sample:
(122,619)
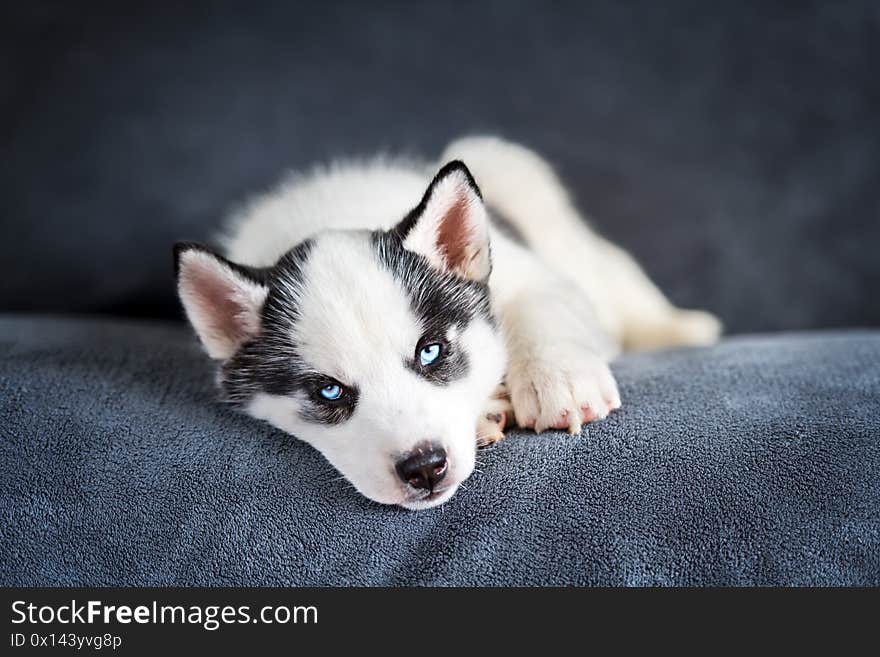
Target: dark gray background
(734,150)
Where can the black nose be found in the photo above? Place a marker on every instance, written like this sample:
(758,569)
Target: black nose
(424,467)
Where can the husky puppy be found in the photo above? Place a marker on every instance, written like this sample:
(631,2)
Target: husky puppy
(394,315)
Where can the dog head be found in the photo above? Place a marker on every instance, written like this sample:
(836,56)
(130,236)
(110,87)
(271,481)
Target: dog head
(377,348)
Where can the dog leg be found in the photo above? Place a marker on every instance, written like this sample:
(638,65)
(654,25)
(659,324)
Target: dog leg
(558,375)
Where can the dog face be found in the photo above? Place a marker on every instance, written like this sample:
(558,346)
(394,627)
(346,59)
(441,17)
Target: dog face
(377,348)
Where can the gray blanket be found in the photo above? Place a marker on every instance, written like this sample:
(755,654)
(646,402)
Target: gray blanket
(753,462)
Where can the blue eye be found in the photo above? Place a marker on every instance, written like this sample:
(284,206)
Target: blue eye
(429,354)
(331,392)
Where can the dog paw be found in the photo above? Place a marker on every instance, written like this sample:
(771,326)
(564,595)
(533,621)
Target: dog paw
(492,421)
(549,395)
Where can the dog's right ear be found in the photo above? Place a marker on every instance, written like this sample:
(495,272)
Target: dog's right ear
(223,301)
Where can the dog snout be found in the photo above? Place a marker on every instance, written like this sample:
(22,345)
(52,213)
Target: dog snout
(424,467)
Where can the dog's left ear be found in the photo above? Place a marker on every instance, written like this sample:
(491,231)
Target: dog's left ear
(450,227)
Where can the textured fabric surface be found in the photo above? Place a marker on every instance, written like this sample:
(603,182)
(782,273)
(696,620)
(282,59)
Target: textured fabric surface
(753,462)
(733,147)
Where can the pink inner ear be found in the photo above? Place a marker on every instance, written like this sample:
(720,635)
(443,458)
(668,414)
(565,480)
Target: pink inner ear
(224,308)
(453,236)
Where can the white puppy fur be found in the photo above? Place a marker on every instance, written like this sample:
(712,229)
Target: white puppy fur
(351,307)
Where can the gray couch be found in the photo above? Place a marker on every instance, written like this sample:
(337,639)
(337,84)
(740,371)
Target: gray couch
(734,151)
